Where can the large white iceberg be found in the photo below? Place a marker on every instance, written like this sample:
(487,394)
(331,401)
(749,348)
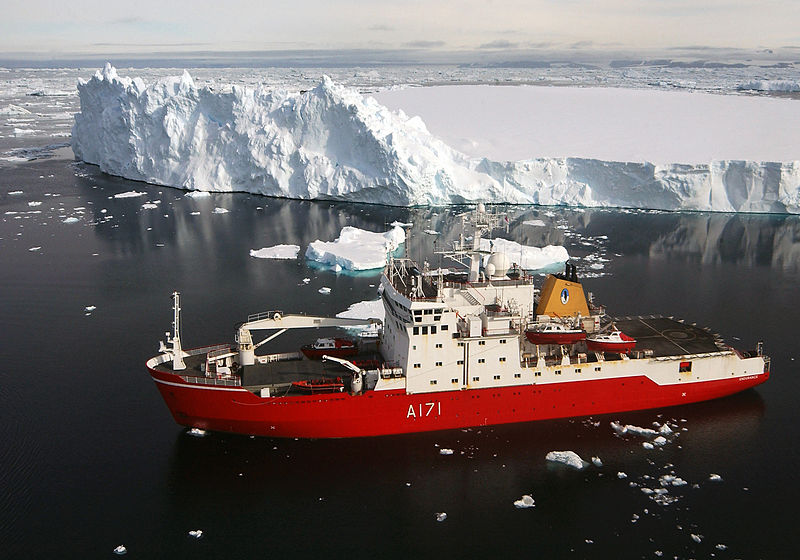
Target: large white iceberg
(527,257)
(357,249)
(332,143)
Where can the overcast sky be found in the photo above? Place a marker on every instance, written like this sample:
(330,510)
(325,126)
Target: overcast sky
(96,27)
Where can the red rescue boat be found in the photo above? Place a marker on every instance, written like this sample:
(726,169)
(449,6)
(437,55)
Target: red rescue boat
(614,341)
(319,385)
(554,333)
(336,347)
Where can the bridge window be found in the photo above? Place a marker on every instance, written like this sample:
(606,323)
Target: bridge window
(428,312)
(438,346)
(416,330)
(476,378)
(438,364)
(433,382)
(424,330)
(481,360)
(454,380)
(481,343)
(502,341)
(517,375)
(445,327)
(460,362)
(503,359)
(496,377)
(417,366)
(433,329)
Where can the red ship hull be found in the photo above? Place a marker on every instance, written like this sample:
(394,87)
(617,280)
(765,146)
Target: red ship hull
(375,413)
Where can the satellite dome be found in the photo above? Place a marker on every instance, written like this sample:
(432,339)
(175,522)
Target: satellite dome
(498,264)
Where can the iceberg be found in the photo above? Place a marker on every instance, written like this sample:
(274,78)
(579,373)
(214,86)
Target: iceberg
(357,249)
(569,458)
(528,258)
(331,142)
(276,252)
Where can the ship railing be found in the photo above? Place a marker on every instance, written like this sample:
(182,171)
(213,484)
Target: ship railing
(285,356)
(221,350)
(264,315)
(217,381)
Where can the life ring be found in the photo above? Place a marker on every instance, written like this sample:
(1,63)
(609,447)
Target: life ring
(276,317)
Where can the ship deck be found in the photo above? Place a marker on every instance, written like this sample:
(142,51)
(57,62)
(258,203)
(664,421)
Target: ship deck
(280,374)
(666,336)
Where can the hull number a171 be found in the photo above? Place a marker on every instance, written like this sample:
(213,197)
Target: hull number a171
(424,409)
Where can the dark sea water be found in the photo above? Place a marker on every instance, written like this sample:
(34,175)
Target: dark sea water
(90,457)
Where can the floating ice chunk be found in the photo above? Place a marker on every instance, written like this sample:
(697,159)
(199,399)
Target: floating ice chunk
(276,252)
(371,309)
(149,206)
(15,193)
(357,249)
(659,441)
(120,550)
(431,232)
(529,258)
(306,280)
(198,194)
(219,210)
(665,430)
(195,213)
(196,432)
(721,547)
(445,451)
(197,533)
(697,538)
(715,477)
(597,462)
(525,502)
(569,458)
(14,110)
(324,290)
(671,480)
(441,516)
(32,249)
(621,474)
(401,224)
(648,445)
(630,429)
(534,223)
(129,194)
(34,203)
(89,308)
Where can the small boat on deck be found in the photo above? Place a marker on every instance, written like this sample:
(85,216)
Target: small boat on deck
(319,385)
(336,347)
(614,341)
(554,333)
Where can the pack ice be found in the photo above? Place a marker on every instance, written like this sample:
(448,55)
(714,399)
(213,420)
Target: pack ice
(332,143)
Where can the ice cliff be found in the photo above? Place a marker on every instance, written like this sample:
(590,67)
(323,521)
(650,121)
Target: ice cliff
(333,143)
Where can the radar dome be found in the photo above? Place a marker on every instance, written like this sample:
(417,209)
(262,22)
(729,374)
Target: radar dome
(497,265)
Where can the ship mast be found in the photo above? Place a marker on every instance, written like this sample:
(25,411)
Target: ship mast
(177,351)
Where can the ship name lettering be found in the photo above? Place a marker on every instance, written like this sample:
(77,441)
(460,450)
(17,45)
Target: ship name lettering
(424,409)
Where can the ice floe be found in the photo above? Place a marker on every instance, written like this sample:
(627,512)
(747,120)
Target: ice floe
(196,432)
(370,309)
(219,210)
(196,533)
(129,194)
(569,458)
(445,451)
(198,194)
(120,550)
(714,477)
(89,308)
(324,290)
(276,252)
(357,249)
(441,516)
(526,501)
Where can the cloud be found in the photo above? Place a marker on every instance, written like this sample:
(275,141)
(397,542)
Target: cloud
(499,44)
(424,44)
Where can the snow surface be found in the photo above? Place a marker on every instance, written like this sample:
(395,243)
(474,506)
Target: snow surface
(276,252)
(357,249)
(333,143)
(569,458)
